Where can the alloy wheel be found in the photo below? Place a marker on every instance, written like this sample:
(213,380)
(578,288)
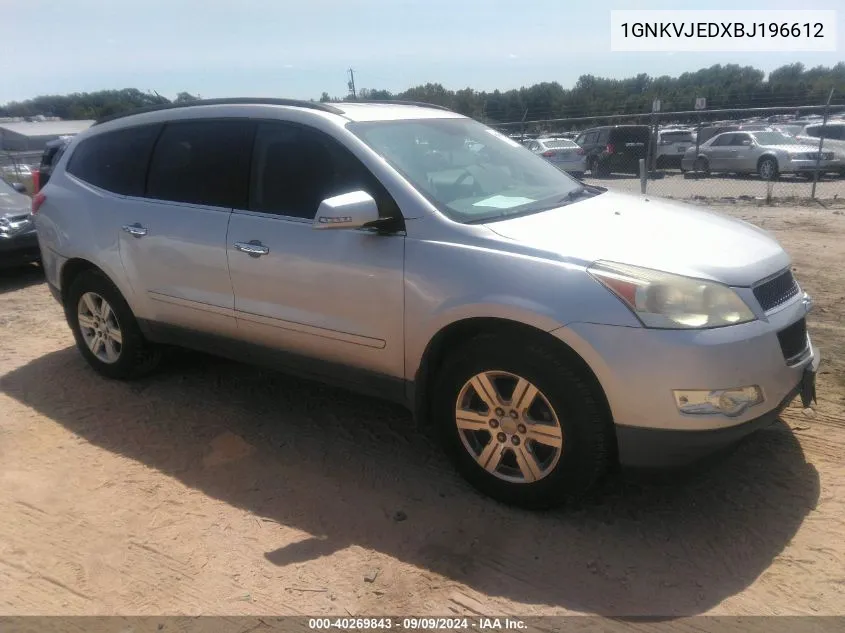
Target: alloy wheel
(99,327)
(509,426)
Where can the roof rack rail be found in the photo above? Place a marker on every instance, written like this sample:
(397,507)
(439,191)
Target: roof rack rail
(313,105)
(420,104)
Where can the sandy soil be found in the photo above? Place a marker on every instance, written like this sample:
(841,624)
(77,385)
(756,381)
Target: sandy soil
(218,488)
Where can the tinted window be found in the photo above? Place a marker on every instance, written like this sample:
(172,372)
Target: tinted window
(115,161)
(738,139)
(296,168)
(676,137)
(627,136)
(202,162)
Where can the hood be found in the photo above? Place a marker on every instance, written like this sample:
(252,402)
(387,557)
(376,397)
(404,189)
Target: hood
(656,234)
(12,202)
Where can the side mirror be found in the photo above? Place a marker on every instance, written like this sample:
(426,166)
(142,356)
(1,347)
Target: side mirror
(19,187)
(353,210)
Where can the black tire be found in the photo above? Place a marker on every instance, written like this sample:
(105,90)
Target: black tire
(600,169)
(702,165)
(585,425)
(137,356)
(767,168)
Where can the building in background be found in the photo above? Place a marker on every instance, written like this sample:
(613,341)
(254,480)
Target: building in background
(27,136)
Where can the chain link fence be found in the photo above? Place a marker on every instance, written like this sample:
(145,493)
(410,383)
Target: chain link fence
(678,163)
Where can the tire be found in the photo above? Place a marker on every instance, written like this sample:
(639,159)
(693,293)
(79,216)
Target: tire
(584,431)
(702,165)
(133,356)
(600,170)
(767,168)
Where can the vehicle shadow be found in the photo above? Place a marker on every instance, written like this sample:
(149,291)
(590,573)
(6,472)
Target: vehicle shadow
(351,470)
(20,277)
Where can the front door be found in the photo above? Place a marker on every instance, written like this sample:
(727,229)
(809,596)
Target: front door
(333,295)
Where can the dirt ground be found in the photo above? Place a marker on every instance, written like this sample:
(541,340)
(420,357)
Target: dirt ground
(217,488)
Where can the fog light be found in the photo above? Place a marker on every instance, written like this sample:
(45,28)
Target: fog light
(729,402)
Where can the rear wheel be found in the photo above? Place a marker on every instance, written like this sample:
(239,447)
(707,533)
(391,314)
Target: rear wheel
(520,423)
(106,331)
(767,168)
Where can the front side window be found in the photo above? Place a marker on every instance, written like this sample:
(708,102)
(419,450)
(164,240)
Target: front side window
(500,179)
(202,162)
(115,161)
(295,168)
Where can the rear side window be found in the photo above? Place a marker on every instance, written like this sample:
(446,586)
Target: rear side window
(630,136)
(202,162)
(115,161)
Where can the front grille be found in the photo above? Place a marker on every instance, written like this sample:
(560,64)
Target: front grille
(776,291)
(793,340)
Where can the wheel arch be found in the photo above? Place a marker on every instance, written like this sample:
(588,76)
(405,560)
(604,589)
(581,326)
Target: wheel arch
(75,266)
(454,334)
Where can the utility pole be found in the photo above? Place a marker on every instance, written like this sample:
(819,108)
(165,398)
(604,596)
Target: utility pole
(352,84)
(821,144)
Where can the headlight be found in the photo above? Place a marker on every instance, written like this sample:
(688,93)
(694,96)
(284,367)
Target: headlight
(664,300)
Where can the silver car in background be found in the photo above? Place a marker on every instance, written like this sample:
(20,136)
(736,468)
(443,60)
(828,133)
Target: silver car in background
(767,153)
(563,153)
(672,144)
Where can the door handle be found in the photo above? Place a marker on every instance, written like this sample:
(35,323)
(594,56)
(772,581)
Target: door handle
(253,248)
(135,230)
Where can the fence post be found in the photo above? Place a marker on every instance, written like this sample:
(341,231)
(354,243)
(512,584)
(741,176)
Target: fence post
(821,145)
(697,142)
(643,176)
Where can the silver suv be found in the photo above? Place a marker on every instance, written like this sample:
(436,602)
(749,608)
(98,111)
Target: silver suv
(548,330)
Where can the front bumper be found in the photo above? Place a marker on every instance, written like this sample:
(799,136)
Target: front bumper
(664,448)
(639,368)
(802,166)
(21,248)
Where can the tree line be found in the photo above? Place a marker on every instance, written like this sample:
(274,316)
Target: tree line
(724,86)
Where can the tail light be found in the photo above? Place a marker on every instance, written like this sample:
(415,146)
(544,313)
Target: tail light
(610,148)
(36,181)
(549,153)
(580,151)
(37,200)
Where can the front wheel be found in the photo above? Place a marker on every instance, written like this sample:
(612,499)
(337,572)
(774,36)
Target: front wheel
(520,423)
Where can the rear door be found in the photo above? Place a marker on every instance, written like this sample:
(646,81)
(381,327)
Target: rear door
(331,295)
(718,152)
(173,242)
(742,156)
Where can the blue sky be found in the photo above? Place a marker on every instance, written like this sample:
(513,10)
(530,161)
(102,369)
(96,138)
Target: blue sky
(219,48)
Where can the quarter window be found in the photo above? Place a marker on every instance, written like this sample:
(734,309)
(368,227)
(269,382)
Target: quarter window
(115,161)
(202,162)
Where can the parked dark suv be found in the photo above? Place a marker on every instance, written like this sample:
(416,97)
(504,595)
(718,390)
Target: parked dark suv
(615,148)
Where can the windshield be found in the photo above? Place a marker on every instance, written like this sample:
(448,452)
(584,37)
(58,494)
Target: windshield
(675,137)
(559,144)
(497,178)
(774,138)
